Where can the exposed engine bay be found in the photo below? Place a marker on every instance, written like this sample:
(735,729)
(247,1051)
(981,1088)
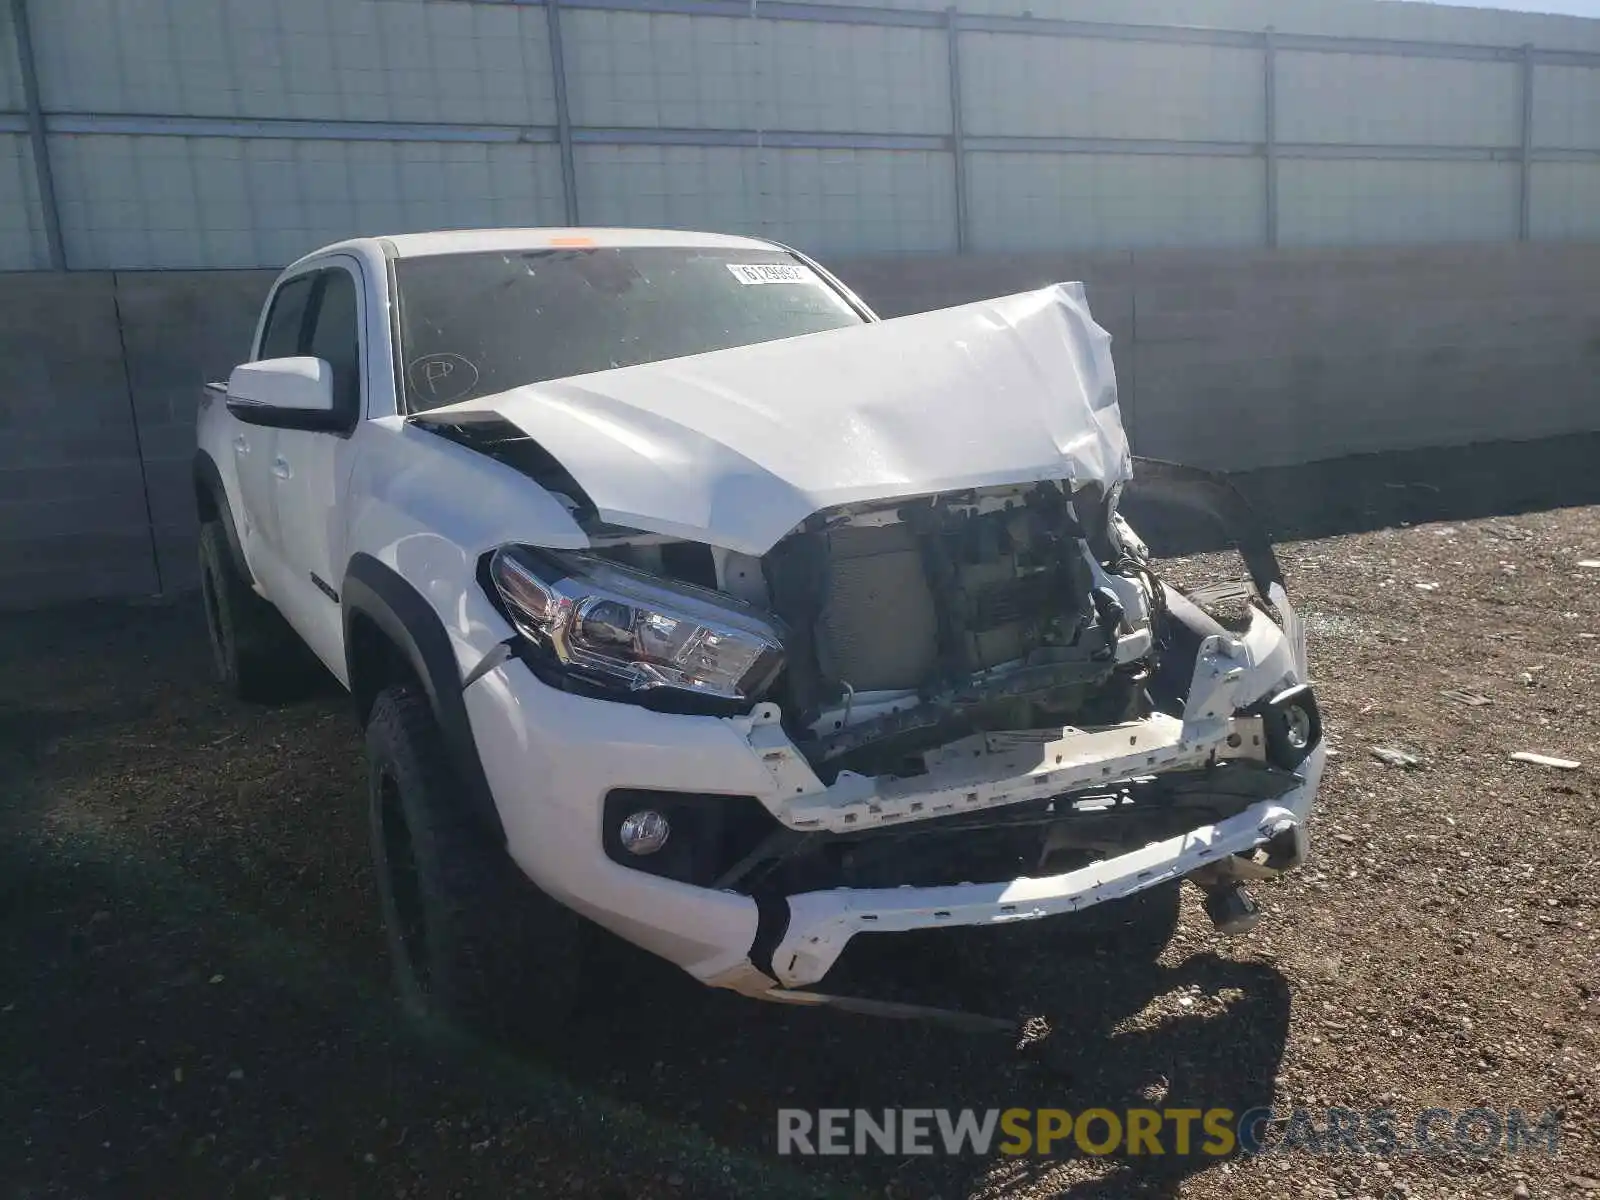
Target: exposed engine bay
(955,631)
(911,624)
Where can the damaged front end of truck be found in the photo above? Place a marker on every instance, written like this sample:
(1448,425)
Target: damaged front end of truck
(993,708)
(1041,723)
(972,695)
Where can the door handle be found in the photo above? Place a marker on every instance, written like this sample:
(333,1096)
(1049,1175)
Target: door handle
(241,444)
(280,467)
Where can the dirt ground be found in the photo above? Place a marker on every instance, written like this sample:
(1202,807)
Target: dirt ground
(193,998)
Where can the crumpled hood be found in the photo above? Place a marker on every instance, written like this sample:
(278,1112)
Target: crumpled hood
(737,447)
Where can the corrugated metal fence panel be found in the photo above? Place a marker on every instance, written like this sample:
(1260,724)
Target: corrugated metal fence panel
(851,201)
(1566,107)
(704,78)
(22,241)
(1073,87)
(1342,18)
(628,69)
(836,77)
(208,133)
(1388,100)
(10,76)
(306,59)
(1082,201)
(1566,201)
(257,202)
(1367,202)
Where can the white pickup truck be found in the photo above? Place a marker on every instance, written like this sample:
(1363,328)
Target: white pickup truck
(678,592)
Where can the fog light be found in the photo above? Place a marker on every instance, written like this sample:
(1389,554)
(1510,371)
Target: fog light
(1292,726)
(644,832)
(1297,727)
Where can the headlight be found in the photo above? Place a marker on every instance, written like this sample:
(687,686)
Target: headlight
(627,629)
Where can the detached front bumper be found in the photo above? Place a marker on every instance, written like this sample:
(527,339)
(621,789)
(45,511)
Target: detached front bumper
(552,759)
(821,923)
(986,771)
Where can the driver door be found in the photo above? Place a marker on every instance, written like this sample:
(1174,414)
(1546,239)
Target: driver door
(255,446)
(310,467)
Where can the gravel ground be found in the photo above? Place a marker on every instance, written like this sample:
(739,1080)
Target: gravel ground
(194,999)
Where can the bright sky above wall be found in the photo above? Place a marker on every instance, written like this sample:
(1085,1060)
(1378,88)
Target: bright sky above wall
(1577,8)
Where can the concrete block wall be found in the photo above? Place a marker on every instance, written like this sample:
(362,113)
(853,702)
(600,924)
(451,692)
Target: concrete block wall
(73,521)
(180,329)
(897,287)
(1265,360)
(97,424)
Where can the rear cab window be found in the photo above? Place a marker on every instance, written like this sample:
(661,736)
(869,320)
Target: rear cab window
(335,337)
(282,335)
(317,314)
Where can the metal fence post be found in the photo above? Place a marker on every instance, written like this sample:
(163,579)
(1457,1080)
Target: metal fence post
(1525,167)
(41,147)
(1269,73)
(958,146)
(558,82)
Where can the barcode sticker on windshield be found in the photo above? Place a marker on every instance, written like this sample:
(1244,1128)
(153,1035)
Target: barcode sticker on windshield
(749,273)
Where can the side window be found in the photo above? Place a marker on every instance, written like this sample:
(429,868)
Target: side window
(286,320)
(335,339)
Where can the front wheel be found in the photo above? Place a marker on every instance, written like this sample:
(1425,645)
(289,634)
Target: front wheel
(472,941)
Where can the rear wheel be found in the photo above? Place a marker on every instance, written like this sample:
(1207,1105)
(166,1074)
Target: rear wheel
(258,657)
(472,941)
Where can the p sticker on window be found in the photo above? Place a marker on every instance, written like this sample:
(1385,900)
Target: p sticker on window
(751,273)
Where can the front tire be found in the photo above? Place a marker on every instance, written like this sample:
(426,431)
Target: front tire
(472,941)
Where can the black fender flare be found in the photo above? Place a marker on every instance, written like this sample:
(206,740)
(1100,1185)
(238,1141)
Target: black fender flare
(377,593)
(207,478)
(1213,495)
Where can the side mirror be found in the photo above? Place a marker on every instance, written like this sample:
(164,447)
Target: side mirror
(284,393)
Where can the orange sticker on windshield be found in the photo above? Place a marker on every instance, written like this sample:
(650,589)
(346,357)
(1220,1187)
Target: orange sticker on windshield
(572,241)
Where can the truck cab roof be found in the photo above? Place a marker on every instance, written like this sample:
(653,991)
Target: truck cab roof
(469,241)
